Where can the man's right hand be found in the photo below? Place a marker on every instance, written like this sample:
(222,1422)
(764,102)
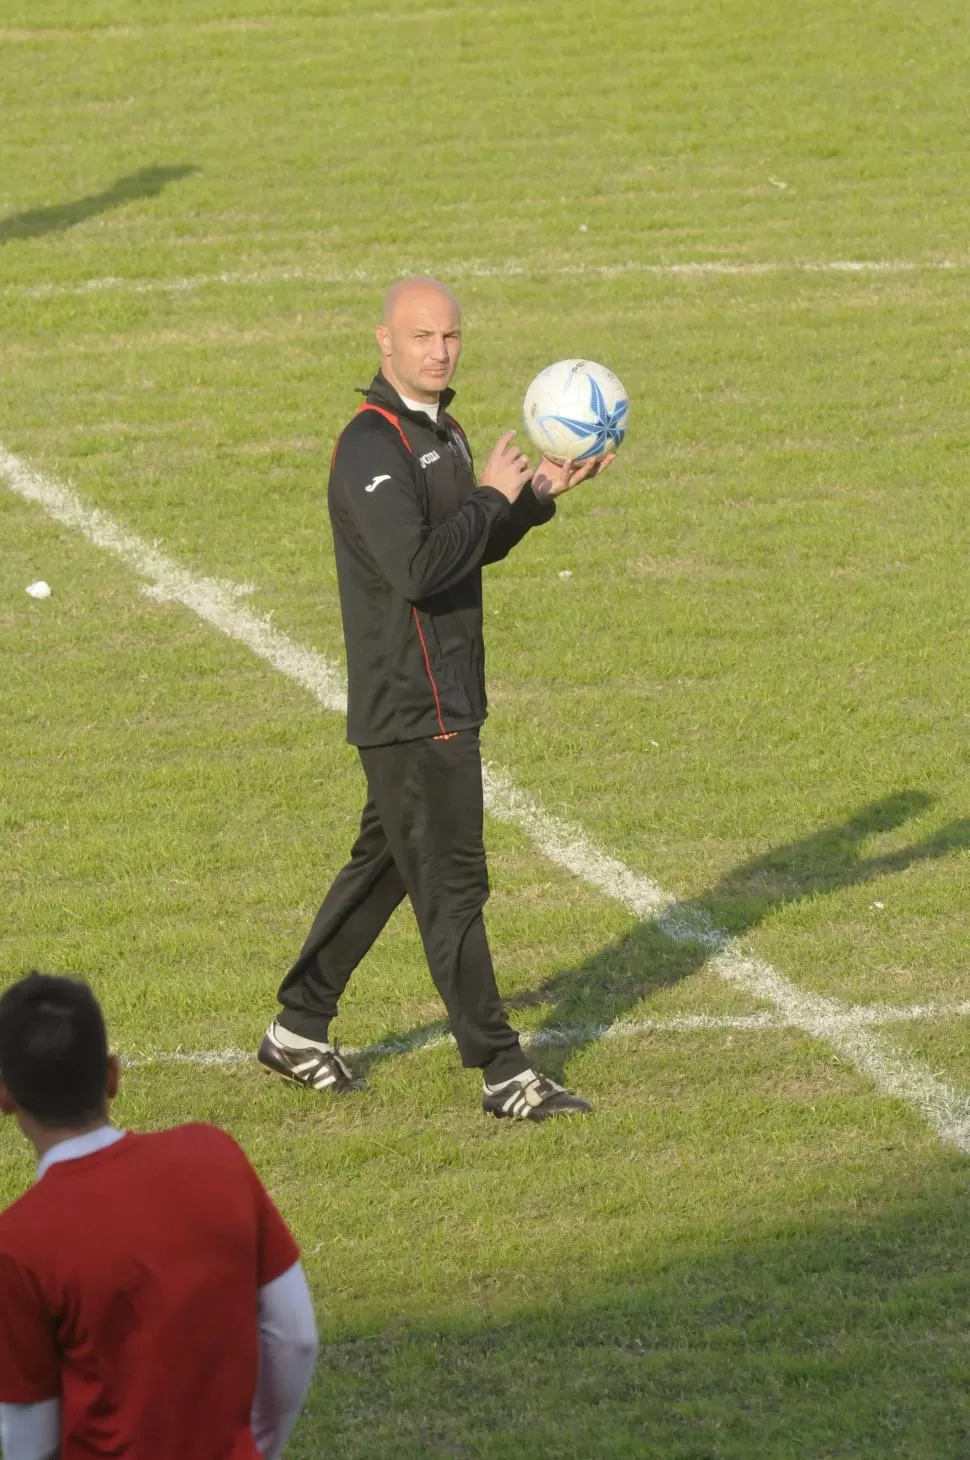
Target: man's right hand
(507,468)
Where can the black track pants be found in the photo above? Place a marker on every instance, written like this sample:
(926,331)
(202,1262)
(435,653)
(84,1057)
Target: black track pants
(421,836)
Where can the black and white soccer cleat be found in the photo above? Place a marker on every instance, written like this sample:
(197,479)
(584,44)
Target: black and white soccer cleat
(317,1066)
(531,1096)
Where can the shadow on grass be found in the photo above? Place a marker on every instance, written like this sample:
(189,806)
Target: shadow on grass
(845,1339)
(668,948)
(662,951)
(147,182)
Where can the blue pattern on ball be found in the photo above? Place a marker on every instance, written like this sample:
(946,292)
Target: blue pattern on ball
(604,423)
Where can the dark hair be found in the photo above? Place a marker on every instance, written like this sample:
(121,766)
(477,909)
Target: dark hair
(53,1049)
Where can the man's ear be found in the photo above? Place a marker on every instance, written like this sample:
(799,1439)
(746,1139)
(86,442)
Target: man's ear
(383,336)
(8,1105)
(114,1075)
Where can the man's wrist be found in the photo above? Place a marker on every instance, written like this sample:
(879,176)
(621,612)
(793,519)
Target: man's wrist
(540,505)
(495,492)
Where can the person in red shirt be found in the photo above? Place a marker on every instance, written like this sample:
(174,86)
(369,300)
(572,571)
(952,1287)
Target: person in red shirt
(152,1300)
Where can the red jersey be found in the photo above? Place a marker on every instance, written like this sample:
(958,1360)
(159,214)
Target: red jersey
(128,1288)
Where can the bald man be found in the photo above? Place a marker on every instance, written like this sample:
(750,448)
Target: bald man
(412,530)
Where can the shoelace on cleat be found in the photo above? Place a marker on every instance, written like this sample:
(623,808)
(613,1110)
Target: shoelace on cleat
(320,1062)
(524,1098)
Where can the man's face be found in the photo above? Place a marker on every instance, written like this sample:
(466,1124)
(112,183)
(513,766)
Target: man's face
(420,342)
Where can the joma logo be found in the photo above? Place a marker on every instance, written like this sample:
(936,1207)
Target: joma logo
(429,457)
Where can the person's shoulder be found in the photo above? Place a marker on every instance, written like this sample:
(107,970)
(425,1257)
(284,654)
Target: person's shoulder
(200,1154)
(197,1139)
(371,427)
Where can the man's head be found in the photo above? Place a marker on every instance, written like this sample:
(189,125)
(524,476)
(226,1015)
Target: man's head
(55,1069)
(419,337)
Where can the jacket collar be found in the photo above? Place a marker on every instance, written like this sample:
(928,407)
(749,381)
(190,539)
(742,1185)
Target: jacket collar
(381,392)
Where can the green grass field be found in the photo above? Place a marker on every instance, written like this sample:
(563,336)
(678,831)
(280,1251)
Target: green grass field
(753,687)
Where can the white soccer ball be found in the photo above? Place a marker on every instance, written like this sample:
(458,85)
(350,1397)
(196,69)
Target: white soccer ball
(576,410)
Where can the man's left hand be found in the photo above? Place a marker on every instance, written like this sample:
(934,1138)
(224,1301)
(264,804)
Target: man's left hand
(552,478)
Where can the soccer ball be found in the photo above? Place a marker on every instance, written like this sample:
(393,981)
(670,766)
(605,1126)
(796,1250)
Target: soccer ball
(576,410)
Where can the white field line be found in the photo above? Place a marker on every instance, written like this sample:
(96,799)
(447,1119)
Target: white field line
(512,269)
(436,1037)
(853,1017)
(244,25)
(946,1110)
(211,598)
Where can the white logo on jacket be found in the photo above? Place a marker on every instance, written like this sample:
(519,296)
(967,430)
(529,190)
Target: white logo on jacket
(372,486)
(429,457)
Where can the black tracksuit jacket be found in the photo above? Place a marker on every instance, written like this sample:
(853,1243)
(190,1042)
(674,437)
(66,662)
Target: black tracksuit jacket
(411,532)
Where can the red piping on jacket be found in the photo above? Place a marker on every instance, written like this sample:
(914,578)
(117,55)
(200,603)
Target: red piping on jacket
(388,416)
(427,665)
